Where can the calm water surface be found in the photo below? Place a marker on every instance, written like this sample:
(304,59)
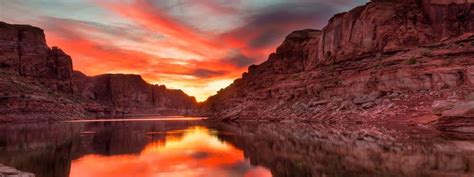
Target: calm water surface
(195,148)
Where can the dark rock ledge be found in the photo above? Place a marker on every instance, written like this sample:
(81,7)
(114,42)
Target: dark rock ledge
(6,171)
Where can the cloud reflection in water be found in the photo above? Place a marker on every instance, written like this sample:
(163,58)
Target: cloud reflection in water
(194,152)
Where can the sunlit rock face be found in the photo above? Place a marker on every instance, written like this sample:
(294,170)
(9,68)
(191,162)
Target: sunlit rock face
(398,55)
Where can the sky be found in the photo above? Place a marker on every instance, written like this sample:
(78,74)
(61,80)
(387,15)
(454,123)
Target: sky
(199,46)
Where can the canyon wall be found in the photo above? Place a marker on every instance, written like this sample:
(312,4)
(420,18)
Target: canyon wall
(383,59)
(38,83)
(23,51)
(130,94)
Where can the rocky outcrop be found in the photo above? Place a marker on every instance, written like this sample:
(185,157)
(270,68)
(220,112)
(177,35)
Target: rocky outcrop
(384,26)
(456,114)
(6,171)
(130,94)
(37,83)
(23,50)
(384,59)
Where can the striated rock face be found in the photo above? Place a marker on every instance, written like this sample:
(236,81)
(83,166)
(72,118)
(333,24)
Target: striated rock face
(130,94)
(456,113)
(381,60)
(383,26)
(37,83)
(23,50)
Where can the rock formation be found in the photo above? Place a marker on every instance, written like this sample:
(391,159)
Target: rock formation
(23,50)
(130,94)
(456,113)
(6,171)
(382,60)
(37,83)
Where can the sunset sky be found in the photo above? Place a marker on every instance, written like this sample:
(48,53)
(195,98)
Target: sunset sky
(199,46)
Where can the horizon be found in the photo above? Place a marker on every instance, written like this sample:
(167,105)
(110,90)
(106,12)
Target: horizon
(199,47)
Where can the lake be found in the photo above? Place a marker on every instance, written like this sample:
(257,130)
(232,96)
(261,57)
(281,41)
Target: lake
(182,147)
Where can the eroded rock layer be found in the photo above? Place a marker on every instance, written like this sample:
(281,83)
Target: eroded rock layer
(384,59)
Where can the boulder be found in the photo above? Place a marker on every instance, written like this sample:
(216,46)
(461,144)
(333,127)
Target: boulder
(6,171)
(439,106)
(470,97)
(368,105)
(470,74)
(361,99)
(462,109)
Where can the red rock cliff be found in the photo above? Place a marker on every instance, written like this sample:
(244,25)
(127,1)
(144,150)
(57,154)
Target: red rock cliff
(359,65)
(130,94)
(23,50)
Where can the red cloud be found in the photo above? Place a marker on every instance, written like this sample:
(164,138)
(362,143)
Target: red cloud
(205,56)
(147,15)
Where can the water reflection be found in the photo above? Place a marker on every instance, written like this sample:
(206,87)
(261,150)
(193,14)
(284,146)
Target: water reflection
(123,149)
(191,152)
(307,150)
(196,148)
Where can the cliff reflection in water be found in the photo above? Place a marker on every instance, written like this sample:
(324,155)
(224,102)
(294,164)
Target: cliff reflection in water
(314,150)
(122,149)
(197,148)
(191,152)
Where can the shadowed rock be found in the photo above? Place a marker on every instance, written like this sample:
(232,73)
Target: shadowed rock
(409,52)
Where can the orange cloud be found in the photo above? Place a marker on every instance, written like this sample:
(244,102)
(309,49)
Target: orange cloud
(100,55)
(165,49)
(145,14)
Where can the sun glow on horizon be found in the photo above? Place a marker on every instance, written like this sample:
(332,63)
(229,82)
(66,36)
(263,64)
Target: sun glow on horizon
(201,93)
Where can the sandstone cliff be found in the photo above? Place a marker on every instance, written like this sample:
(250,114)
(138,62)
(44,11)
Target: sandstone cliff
(23,50)
(37,83)
(385,59)
(130,94)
